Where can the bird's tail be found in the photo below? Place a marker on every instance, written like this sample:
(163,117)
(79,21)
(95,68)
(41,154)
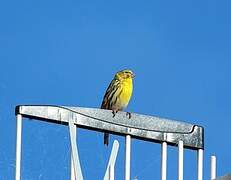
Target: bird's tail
(106,138)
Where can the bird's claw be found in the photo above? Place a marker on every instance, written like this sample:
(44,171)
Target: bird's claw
(129,115)
(114,113)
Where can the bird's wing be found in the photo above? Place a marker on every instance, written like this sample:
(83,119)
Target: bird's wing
(111,90)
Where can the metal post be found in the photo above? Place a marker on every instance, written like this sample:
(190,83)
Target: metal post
(18,147)
(180,160)
(72,161)
(72,169)
(109,174)
(74,150)
(200,164)
(127,157)
(213,167)
(163,161)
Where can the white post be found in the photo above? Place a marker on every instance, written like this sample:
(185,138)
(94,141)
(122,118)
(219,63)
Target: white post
(72,161)
(180,160)
(163,161)
(72,169)
(18,147)
(200,164)
(111,172)
(213,167)
(127,157)
(74,150)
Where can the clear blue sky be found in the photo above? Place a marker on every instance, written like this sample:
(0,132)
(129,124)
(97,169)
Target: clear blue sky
(66,52)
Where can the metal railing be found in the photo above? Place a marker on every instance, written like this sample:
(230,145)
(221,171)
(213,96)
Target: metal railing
(149,128)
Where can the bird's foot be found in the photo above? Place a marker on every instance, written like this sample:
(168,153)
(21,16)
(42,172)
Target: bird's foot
(114,113)
(129,115)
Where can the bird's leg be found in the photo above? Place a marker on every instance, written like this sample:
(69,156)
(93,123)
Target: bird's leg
(129,115)
(114,112)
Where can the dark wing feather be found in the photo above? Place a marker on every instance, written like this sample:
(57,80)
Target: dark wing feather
(106,104)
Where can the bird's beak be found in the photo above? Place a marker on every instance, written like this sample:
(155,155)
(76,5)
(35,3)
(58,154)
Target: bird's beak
(133,75)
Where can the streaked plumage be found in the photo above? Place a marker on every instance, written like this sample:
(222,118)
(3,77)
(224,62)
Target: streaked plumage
(118,94)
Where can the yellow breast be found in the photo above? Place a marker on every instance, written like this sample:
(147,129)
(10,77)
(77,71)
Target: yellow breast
(126,93)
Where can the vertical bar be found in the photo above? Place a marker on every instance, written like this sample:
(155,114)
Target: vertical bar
(163,161)
(111,172)
(180,160)
(72,169)
(111,162)
(74,150)
(127,157)
(18,147)
(72,161)
(200,164)
(213,167)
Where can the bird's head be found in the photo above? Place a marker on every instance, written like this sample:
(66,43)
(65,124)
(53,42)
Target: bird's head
(124,74)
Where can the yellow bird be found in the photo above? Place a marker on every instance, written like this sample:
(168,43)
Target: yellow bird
(118,94)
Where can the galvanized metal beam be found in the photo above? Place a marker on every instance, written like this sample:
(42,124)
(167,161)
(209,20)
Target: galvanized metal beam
(227,177)
(139,126)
